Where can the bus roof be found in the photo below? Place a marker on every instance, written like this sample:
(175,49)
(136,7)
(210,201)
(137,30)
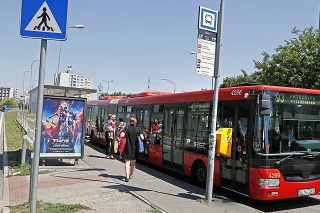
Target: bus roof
(231,93)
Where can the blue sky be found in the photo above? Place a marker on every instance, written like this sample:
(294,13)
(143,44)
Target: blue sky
(128,41)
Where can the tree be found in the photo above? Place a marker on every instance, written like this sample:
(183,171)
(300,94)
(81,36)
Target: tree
(114,94)
(11,102)
(295,64)
(244,78)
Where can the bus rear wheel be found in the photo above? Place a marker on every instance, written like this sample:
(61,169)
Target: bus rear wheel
(199,174)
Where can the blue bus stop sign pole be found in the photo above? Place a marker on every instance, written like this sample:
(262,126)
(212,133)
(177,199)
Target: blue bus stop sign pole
(213,138)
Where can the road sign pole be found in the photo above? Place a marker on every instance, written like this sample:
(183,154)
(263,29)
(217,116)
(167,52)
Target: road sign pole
(35,167)
(212,138)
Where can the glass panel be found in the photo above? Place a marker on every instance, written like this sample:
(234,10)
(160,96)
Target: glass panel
(293,126)
(140,118)
(167,136)
(146,121)
(197,127)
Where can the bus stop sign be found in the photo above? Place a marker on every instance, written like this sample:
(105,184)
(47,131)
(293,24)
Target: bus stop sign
(208,19)
(44,19)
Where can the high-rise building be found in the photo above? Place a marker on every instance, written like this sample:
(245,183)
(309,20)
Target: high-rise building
(70,79)
(8,92)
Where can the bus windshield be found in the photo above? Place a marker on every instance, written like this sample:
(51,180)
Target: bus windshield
(292,126)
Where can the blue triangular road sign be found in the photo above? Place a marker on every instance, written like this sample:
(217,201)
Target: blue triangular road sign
(45,19)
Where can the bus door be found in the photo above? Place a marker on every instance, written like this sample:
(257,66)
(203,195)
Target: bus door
(173,138)
(241,168)
(144,116)
(234,169)
(100,127)
(89,118)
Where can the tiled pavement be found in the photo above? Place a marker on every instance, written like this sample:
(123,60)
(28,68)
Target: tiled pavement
(19,185)
(18,190)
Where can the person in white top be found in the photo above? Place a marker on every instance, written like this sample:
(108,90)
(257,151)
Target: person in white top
(110,127)
(287,137)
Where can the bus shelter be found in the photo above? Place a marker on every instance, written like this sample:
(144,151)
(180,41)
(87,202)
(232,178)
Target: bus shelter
(63,116)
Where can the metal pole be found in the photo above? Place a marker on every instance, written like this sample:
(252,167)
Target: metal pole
(30,181)
(174,85)
(24,149)
(23,93)
(56,77)
(31,85)
(108,85)
(212,138)
(35,167)
(212,80)
(79,26)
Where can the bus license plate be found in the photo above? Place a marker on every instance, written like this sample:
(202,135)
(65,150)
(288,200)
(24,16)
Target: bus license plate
(303,192)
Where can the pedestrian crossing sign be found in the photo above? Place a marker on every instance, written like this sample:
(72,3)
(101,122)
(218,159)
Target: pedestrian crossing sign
(44,19)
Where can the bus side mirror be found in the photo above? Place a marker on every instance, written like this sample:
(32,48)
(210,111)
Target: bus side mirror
(265,104)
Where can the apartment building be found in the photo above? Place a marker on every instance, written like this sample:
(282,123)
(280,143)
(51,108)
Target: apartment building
(70,79)
(8,92)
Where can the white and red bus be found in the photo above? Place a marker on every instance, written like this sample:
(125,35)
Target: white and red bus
(271,166)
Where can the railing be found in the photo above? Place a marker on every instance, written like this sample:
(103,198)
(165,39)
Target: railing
(28,125)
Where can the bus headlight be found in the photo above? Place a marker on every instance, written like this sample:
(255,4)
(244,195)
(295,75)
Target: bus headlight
(269,182)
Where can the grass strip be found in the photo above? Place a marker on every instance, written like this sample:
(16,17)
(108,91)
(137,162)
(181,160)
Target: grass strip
(43,207)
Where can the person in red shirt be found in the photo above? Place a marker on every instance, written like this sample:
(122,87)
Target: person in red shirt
(155,129)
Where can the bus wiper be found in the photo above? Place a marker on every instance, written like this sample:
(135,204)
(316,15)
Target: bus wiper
(309,155)
(277,163)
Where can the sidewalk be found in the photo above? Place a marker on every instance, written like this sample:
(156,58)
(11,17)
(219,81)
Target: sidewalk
(98,183)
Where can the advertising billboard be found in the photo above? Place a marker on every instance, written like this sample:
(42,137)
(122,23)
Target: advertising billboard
(62,131)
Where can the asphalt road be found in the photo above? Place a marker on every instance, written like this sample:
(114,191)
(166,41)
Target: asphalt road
(296,205)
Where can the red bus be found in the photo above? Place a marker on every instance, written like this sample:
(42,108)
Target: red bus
(271,166)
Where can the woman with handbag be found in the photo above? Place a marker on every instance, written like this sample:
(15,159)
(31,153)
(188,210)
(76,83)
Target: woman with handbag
(130,150)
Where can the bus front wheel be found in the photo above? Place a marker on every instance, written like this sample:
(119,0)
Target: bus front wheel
(199,174)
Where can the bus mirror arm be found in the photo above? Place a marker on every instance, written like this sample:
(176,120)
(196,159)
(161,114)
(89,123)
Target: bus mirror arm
(265,104)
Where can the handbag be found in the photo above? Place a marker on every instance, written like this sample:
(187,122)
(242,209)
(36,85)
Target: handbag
(140,147)
(123,141)
(122,144)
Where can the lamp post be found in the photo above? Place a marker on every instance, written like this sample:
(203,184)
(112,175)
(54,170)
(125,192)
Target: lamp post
(78,26)
(31,85)
(108,85)
(174,85)
(100,90)
(23,92)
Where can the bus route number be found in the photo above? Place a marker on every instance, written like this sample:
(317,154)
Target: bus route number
(236,92)
(280,98)
(274,175)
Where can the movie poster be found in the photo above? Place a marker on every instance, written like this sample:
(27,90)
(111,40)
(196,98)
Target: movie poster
(62,128)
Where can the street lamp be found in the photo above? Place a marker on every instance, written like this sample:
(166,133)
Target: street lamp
(108,85)
(31,85)
(174,85)
(78,26)
(34,82)
(100,90)
(23,92)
